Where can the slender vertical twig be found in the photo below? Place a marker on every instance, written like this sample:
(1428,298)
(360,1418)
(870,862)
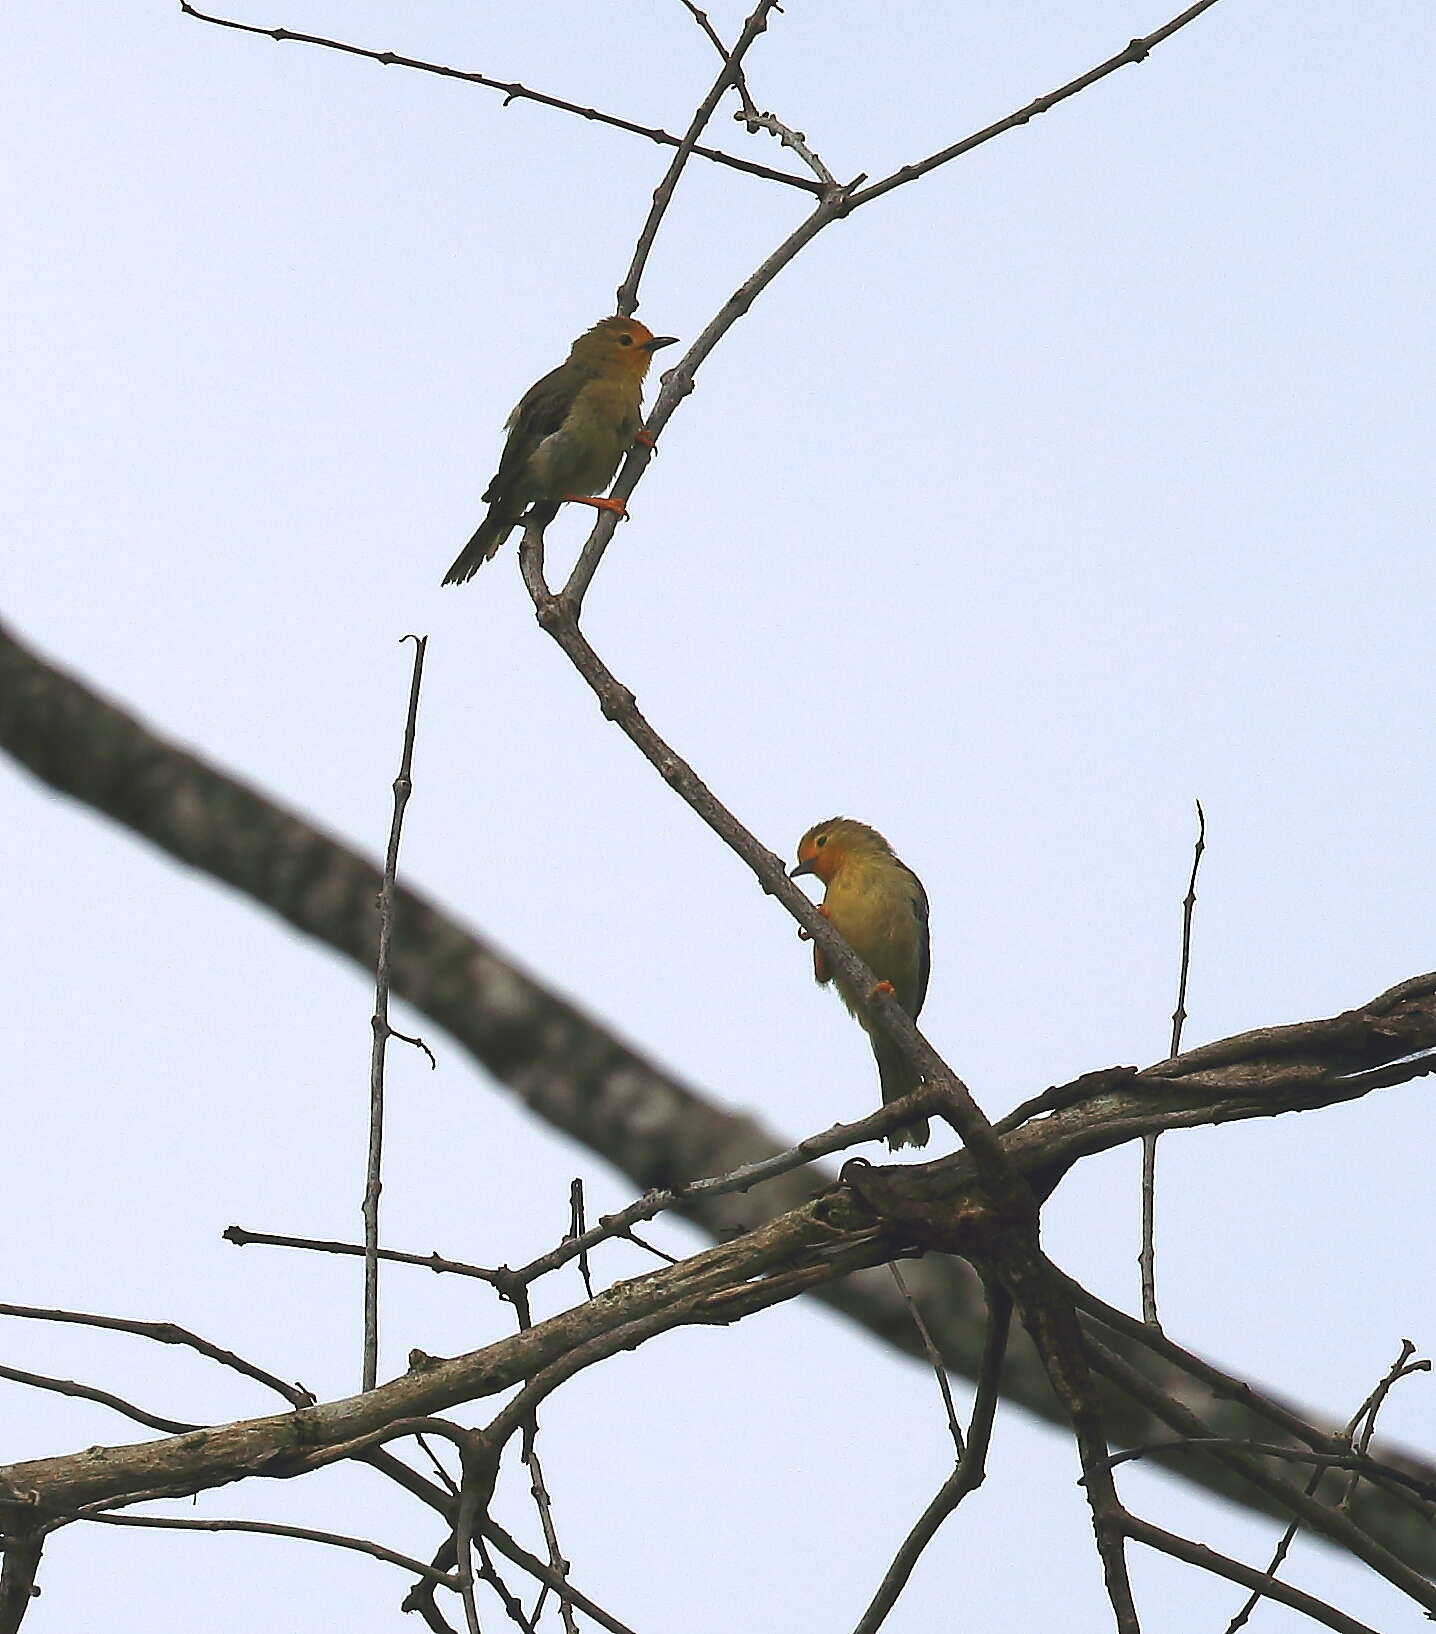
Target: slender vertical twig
(1148,1259)
(971,1466)
(934,1356)
(373,1185)
(577,1226)
(626,300)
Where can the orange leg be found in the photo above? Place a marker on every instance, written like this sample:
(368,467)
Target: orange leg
(619,509)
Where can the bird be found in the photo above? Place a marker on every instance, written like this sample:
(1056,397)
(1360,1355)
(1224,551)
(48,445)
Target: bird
(566,435)
(879,908)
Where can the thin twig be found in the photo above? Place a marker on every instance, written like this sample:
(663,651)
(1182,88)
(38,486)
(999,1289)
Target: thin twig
(523,1411)
(495,1534)
(790,138)
(305,1534)
(243,1237)
(1189,903)
(488,1573)
(842,1135)
(934,1356)
(544,1504)
(1355,1462)
(740,82)
(1330,1523)
(1148,1257)
(373,1179)
(90,1392)
(875,1127)
(1197,1554)
(966,1477)
(834,203)
(751,119)
(169,1333)
(1367,1411)
(513,92)
(1049,1316)
(576,1228)
(1225,1386)
(626,300)
(1135,51)
(475,1489)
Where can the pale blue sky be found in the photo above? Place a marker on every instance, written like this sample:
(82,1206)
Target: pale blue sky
(1083,478)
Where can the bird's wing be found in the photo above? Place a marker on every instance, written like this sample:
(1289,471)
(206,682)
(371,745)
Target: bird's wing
(918,898)
(538,414)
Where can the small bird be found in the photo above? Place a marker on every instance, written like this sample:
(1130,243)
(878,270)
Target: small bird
(567,435)
(879,908)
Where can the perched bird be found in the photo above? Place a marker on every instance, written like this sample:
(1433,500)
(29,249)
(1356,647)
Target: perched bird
(567,435)
(879,908)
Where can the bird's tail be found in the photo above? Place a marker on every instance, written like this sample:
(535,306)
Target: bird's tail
(488,536)
(899,1079)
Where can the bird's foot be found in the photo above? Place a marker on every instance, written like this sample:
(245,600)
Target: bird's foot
(646,439)
(807,936)
(884,987)
(619,509)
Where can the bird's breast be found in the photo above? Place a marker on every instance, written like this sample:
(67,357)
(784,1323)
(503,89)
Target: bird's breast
(598,430)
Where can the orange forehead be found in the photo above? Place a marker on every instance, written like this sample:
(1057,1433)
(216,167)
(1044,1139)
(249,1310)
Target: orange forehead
(621,329)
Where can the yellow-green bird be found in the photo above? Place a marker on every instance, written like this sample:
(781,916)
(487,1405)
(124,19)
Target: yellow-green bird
(567,435)
(879,908)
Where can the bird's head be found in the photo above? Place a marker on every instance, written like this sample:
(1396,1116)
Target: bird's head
(619,345)
(824,849)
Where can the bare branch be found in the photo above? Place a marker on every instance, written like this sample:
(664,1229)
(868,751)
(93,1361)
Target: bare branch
(495,1534)
(794,139)
(17,1577)
(1356,1462)
(89,1392)
(1329,1522)
(740,83)
(1411,1479)
(577,1226)
(1135,51)
(749,116)
(933,1356)
(626,299)
(373,1174)
(513,92)
(1189,903)
(320,1245)
(305,1534)
(1367,1410)
(168,1333)
(557,616)
(1148,1258)
(971,1467)
(1197,1554)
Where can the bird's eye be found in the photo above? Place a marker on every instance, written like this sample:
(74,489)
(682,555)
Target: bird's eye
(625,340)
(821,841)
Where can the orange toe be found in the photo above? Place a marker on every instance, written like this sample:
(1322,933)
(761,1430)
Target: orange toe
(619,509)
(885,987)
(646,439)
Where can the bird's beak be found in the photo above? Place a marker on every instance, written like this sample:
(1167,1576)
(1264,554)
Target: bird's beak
(808,867)
(660,340)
